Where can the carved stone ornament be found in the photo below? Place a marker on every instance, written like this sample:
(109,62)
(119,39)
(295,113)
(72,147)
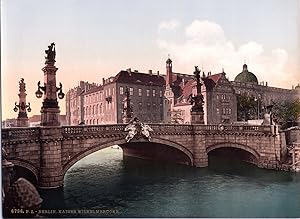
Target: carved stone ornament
(137,129)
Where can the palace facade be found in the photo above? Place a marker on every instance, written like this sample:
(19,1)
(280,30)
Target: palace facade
(167,98)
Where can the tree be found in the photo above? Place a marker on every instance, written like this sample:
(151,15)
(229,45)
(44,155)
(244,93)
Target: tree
(286,114)
(247,107)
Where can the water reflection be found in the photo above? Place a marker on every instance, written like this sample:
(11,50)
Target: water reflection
(138,188)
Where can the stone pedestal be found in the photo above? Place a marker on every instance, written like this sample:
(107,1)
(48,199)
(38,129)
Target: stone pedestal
(197,117)
(50,109)
(22,121)
(50,116)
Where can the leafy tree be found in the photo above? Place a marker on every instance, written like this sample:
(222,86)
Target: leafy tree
(286,114)
(247,107)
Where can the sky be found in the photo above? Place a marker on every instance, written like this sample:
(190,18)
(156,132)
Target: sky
(98,38)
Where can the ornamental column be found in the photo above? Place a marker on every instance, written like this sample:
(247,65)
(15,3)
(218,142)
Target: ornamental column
(22,120)
(197,112)
(50,110)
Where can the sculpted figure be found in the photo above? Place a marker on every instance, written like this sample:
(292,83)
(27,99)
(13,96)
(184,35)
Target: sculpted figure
(132,131)
(50,53)
(267,119)
(146,129)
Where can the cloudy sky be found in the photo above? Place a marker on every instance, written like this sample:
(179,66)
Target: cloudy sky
(98,38)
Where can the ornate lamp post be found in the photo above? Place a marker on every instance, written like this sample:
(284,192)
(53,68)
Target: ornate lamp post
(50,109)
(22,107)
(127,110)
(197,112)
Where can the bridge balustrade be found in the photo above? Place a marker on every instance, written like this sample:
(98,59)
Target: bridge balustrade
(35,132)
(20,133)
(93,129)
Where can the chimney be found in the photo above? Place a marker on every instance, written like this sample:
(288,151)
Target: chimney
(129,71)
(150,72)
(136,71)
(103,81)
(81,84)
(266,84)
(157,73)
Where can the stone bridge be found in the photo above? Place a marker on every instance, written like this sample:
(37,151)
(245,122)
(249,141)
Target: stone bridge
(48,152)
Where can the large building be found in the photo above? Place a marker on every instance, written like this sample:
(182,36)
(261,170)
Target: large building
(220,95)
(167,98)
(103,104)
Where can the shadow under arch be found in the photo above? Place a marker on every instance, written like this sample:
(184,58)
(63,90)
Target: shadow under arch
(26,165)
(122,142)
(237,146)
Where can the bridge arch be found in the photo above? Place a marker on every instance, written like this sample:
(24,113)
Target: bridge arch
(229,145)
(121,142)
(26,165)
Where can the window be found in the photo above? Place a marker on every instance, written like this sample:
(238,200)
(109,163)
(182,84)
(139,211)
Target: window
(140,92)
(121,90)
(93,111)
(113,91)
(140,106)
(160,93)
(218,111)
(154,106)
(101,108)
(229,111)
(148,93)
(217,96)
(108,91)
(97,109)
(153,93)
(224,111)
(131,91)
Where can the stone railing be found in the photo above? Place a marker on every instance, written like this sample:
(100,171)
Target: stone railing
(37,132)
(92,129)
(233,128)
(20,133)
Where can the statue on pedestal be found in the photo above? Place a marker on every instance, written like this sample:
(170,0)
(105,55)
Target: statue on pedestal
(50,52)
(197,101)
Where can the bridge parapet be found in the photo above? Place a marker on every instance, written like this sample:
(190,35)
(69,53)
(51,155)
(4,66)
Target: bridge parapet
(234,128)
(93,129)
(20,133)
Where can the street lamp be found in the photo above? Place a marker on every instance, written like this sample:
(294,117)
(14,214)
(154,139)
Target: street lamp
(22,107)
(39,93)
(257,100)
(60,95)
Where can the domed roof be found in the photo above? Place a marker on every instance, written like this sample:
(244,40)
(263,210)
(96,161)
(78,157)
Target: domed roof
(246,76)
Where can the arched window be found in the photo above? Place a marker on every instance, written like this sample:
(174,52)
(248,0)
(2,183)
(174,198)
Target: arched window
(97,109)
(94,110)
(97,121)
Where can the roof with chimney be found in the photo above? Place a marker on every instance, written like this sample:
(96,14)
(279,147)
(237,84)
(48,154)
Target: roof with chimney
(209,81)
(138,78)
